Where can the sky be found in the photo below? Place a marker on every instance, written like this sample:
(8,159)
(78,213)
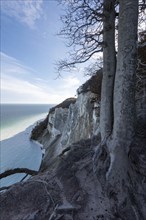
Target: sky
(30,47)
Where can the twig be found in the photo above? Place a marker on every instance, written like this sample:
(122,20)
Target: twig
(53,213)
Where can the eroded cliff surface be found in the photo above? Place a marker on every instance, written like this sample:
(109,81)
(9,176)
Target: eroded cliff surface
(71,121)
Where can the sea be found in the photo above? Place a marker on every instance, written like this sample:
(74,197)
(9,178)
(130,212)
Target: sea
(16,148)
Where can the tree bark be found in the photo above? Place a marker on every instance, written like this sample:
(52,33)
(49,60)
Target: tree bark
(109,68)
(124,92)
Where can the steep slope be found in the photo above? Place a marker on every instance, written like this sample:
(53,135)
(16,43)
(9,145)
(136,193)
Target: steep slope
(72,182)
(70,121)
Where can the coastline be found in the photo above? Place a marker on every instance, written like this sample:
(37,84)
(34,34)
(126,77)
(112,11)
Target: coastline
(19,151)
(14,129)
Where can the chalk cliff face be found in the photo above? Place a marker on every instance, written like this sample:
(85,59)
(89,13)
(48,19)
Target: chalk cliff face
(71,121)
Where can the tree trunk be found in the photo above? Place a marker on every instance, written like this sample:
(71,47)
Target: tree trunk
(117,116)
(109,67)
(124,92)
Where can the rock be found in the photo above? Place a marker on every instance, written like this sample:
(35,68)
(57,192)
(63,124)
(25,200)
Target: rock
(64,104)
(39,129)
(70,121)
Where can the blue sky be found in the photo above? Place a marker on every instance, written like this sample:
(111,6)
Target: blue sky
(29,51)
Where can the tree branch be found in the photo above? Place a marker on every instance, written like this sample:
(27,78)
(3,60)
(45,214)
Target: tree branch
(17,170)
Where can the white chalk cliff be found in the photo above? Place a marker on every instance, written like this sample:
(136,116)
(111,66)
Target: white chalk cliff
(71,121)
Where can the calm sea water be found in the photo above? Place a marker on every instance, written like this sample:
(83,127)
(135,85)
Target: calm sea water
(16,117)
(16,148)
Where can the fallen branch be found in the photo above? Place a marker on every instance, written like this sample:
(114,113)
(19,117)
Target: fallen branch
(18,170)
(4,188)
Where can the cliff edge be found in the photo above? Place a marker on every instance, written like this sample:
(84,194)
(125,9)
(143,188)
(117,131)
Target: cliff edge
(67,186)
(70,121)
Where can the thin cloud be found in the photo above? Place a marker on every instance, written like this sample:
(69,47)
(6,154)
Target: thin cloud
(71,81)
(27,12)
(22,91)
(18,80)
(12,66)
(19,84)
(24,88)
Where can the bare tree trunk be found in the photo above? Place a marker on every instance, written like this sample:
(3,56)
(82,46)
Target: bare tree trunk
(124,92)
(109,68)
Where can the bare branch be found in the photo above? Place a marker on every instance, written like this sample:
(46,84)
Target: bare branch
(17,170)
(83,29)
